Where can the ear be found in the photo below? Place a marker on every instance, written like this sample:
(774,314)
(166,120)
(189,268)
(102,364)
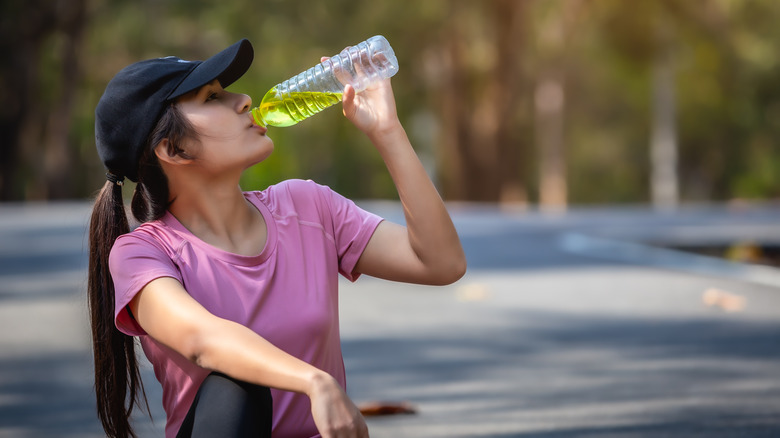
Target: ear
(165,154)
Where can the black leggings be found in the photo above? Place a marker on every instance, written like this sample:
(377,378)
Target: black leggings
(225,407)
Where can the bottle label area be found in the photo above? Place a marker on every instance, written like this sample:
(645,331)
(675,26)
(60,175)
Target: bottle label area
(321,86)
(287,110)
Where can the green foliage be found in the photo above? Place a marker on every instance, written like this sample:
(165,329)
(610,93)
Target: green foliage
(725,51)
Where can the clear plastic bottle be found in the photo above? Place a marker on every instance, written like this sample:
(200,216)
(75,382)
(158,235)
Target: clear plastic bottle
(322,86)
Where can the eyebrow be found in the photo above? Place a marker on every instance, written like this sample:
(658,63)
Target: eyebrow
(211,86)
(199,92)
(213,83)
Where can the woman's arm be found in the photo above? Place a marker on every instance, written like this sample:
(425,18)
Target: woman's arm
(427,250)
(172,317)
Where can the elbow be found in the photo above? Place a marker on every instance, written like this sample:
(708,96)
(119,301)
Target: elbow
(458,269)
(461,269)
(197,347)
(192,349)
(214,345)
(452,271)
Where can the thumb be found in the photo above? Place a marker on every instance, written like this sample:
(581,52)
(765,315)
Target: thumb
(348,101)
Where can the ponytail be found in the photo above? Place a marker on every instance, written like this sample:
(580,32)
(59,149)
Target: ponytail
(116,366)
(118,385)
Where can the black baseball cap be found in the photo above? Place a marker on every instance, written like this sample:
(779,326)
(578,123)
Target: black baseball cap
(135,98)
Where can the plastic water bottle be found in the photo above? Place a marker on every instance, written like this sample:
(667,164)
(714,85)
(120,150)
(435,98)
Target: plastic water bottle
(322,86)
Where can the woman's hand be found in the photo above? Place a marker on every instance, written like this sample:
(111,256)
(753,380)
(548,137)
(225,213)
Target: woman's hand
(373,110)
(334,413)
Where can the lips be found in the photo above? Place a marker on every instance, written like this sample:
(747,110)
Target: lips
(254,125)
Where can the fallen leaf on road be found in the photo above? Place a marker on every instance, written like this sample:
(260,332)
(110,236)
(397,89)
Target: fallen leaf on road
(374,409)
(727,301)
(472,292)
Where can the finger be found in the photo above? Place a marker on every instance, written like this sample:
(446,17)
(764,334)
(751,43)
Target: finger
(324,58)
(349,93)
(348,101)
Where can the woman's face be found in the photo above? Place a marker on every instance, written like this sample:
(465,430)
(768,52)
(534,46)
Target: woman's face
(226,136)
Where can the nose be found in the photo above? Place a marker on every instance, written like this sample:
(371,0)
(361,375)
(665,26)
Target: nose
(243,103)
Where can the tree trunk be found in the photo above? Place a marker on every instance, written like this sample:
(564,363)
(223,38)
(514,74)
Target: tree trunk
(478,108)
(58,154)
(510,20)
(663,140)
(549,103)
(35,152)
(25,24)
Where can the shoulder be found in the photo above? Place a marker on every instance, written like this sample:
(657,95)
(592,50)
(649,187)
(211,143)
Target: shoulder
(298,188)
(294,195)
(149,240)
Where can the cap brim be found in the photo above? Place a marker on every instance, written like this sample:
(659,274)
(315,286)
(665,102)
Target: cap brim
(226,66)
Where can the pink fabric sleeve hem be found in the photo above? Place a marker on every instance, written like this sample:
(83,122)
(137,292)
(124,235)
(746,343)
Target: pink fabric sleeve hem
(122,319)
(350,259)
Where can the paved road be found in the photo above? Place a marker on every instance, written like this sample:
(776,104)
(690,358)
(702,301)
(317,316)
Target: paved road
(565,326)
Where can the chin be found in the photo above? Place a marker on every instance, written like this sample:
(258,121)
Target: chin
(262,155)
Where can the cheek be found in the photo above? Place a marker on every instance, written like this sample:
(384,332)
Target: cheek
(214,125)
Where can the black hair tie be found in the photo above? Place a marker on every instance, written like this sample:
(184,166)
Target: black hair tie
(115,179)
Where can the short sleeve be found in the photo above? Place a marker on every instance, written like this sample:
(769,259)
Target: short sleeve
(136,260)
(352,228)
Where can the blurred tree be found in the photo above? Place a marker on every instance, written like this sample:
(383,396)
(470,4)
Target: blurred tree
(706,61)
(482,93)
(40,46)
(556,23)
(503,99)
(664,186)
(644,33)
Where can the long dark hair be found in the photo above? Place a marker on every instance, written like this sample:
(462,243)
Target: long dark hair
(118,385)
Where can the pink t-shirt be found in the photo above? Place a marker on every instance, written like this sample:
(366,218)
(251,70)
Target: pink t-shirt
(288,293)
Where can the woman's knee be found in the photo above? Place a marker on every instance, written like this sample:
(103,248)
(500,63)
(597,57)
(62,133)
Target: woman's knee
(226,407)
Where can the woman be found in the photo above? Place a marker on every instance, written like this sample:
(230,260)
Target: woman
(233,294)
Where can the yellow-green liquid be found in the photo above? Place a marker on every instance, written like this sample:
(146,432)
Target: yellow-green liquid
(275,110)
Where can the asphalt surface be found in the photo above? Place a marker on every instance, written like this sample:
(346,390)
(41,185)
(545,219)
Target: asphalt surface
(585,324)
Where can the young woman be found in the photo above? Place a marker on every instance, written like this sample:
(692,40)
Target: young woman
(233,294)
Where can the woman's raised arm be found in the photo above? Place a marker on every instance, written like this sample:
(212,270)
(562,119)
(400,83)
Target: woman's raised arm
(427,250)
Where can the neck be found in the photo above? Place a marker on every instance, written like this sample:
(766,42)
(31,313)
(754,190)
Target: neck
(218,214)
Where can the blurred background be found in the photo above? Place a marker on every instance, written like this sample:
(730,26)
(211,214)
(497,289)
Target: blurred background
(549,103)
(610,165)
